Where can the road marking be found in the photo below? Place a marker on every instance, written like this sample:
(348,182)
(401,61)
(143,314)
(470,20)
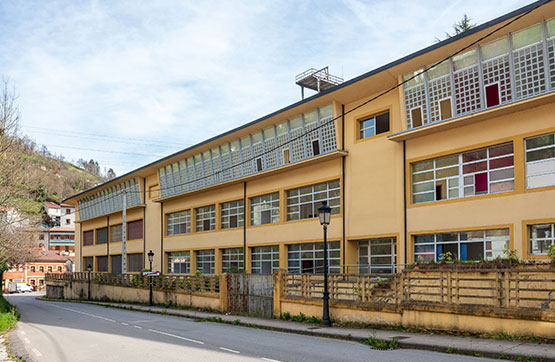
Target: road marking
(174,336)
(269,360)
(88,314)
(142,321)
(229,350)
(27,340)
(36,351)
(125,324)
(139,327)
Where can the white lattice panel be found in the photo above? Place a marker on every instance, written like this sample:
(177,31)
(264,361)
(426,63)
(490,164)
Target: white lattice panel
(257,152)
(183,177)
(226,166)
(207,172)
(270,145)
(439,88)
(198,175)
(176,180)
(216,168)
(297,146)
(191,183)
(236,162)
(467,90)
(328,135)
(529,71)
(282,143)
(247,161)
(551,59)
(498,70)
(311,134)
(415,97)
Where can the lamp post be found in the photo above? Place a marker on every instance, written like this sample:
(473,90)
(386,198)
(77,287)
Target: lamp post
(89,269)
(150,257)
(324,212)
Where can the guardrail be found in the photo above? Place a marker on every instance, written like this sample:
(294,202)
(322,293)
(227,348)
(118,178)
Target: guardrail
(186,283)
(506,288)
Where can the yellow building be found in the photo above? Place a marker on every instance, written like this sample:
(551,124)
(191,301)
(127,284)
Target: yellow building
(449,149)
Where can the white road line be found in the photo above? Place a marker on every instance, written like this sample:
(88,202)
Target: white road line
(36,351)
(229,350)
(269,360)
(142,321)
(174,336)
(88,314)
(139,327)
(26,340)
(125,324)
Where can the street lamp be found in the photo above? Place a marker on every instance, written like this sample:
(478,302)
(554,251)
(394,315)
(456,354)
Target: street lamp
(150,257)
(324,212)
(89,269)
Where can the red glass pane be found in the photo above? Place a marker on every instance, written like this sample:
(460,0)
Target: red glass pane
(481,182)
(501,162)
(475,167)
(501,150)
(492,95)
(474,155)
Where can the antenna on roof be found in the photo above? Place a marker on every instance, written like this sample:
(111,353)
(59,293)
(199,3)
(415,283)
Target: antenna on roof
(317,79)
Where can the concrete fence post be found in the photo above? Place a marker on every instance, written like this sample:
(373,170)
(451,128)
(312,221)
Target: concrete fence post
(278,279)
(223,293)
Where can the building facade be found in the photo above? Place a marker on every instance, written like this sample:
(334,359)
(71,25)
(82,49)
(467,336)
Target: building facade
(444,150)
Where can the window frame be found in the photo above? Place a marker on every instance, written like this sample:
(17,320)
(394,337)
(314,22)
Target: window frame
(531,240)
(200,218)
(360,121)
(206,256)
(186,254)
(233,257)
(315,249)
(258,202)
(533,163)
(294,201)
(174,219)
(257,257)
(232,208)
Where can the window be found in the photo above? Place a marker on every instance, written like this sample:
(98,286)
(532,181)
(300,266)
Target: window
(303,202)
(60,269)
(86,262)
(179,262)
(68,221)
(416,117)
(50,269)
(286,158)
(309,257)
(41,237)
(41,282)
(478,172)
(541,238)
(259,164)
(32,281)
(134,262)
(463,245)
(540,161)
(33,269)
(116,264)
(265,209)
(445,108)
(153,191)
(492,95)
(205,261)
(265,259)
(115,233)
(374,125)
(179,222)
(102,235)
(377,256)
(88,237)
(206,218)
(315,147)
(68,211)
(233,214)
(233,260)
(135,230)
(41,269)
(102,264)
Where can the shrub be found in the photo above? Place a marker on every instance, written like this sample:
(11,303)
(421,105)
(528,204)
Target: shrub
(381,344)
(551,253)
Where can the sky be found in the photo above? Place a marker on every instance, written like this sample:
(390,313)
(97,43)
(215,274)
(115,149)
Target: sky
(128,82)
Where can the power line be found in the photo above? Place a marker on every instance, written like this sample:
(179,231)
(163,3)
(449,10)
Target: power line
(425,69)
(106,151)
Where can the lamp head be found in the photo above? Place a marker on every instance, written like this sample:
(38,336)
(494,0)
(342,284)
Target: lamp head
(324,212)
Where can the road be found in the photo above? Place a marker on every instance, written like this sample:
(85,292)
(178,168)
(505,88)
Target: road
(75,332)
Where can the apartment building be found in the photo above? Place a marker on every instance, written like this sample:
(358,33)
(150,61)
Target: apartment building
(458,156)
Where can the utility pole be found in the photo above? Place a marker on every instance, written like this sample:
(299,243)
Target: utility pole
(124,235)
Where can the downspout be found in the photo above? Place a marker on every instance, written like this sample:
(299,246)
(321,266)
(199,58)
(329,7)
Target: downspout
(108,241)
(405,197)
(144,222)
(161,236)
(244,226)
(343,185)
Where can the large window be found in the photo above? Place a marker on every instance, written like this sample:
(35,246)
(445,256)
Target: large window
(135,230)
(477,172)
(373,125)
(233,214)
(264,259)
(134,263)
(377,256)
(116,264)
(265,209)
(541,238)
(309,257)
(206,218)
(540,161)
(102,235)
(303,202)
(102,264)
(233,260)
(88,237)
(205,261)
(179,262)
(463,245)
(89,260)
(179,222)
(115,233)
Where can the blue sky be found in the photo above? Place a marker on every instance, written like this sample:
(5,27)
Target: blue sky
(128,82)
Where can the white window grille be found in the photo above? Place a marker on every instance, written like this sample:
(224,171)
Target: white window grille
(540,160)
(179,222)
(205,218)
(179,262)
(309,257)
(377,256)
(303,202)
(264,259)
(205,261)
(232,214)
(233,260)
(541,238)
(265,209)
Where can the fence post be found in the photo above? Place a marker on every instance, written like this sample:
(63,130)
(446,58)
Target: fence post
(278,280)
(223,293)
(449,286)
(499,288)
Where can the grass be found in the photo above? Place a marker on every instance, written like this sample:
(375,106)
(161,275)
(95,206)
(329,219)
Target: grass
(381,344)
(8,315)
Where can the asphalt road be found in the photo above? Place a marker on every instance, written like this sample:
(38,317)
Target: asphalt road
(75,332)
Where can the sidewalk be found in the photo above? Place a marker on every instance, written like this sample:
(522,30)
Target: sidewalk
(434,342)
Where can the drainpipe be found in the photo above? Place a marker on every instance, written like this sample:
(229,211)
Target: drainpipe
(405,197)
(343,185)
(244,226)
